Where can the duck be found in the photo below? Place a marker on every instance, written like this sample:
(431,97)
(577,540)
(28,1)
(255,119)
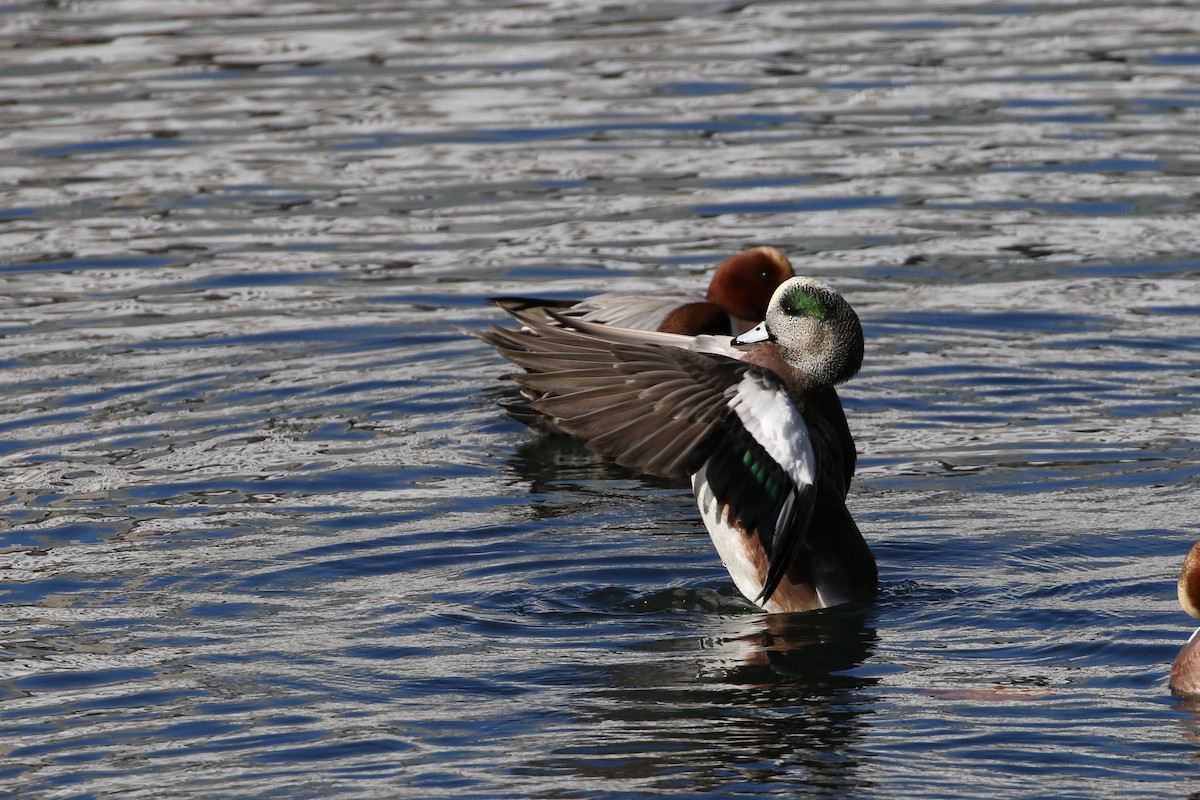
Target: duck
(752,422)
(1185,672)
(736,300)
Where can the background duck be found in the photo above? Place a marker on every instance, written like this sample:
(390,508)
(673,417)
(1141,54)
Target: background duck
(736,300)
(1185,672)
(759,432)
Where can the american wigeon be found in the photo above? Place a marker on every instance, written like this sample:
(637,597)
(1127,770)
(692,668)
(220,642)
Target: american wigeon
(736,300)
(1185,672)
(753,422)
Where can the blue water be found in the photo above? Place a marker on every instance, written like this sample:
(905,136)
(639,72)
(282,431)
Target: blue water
(264,530)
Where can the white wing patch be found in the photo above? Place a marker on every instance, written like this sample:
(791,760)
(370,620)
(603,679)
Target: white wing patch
(769,415)
(731,543)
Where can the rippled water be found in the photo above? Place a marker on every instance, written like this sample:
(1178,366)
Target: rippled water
(265,532)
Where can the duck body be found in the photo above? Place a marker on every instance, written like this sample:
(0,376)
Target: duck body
(797,552)
(1185,671)
(759,433)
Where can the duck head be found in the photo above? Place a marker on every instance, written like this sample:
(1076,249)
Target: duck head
(1185,672)
(815,329)
(745,282)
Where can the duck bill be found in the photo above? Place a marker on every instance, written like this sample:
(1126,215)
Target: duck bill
(755,335)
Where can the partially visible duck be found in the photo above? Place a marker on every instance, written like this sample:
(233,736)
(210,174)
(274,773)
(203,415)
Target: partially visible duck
(758,432)
(1185,672)
(736,300)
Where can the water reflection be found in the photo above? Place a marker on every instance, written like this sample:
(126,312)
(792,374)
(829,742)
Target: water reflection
(1189,721)
(755,698)
(793,652)
(549,462)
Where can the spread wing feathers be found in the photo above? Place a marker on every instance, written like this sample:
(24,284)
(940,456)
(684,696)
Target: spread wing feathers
(654,409)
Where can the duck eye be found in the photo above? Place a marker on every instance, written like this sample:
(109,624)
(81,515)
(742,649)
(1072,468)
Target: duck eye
(800,303)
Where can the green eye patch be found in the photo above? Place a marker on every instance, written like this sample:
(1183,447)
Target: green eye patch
(799,302)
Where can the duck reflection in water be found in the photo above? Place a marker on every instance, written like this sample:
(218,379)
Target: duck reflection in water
(769,698)
(812,652)
(1185,672)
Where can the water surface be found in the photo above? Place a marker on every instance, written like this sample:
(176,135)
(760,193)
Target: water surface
(264,531)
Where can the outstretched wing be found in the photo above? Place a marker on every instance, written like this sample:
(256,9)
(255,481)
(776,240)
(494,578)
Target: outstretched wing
(671,412)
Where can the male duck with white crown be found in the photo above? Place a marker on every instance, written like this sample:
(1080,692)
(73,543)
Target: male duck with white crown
(753,422)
